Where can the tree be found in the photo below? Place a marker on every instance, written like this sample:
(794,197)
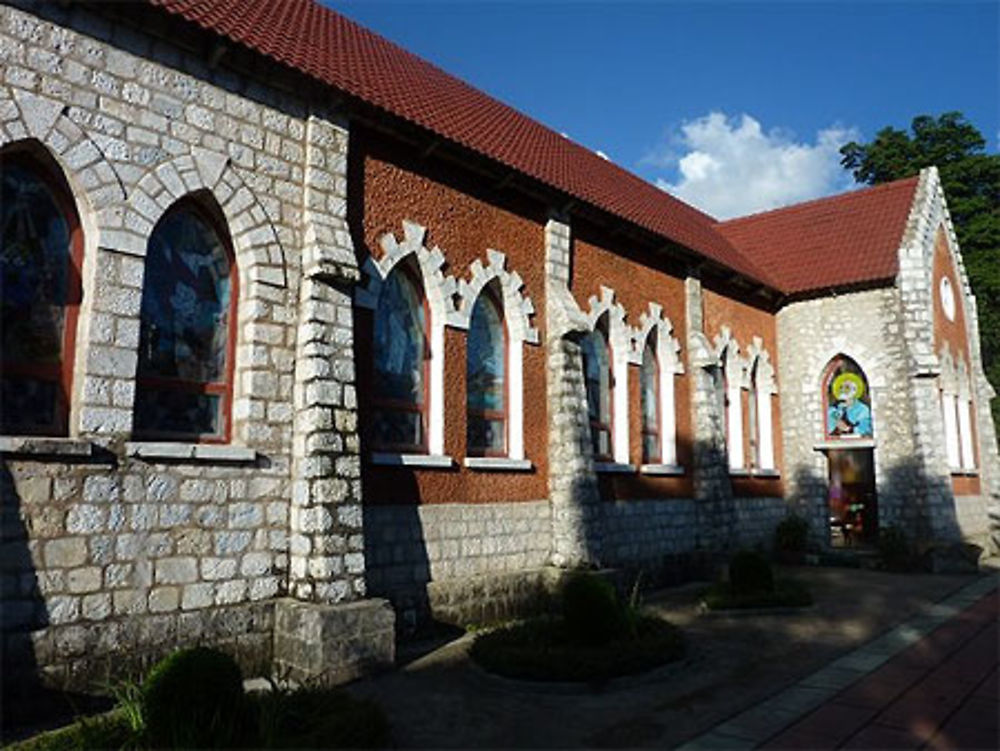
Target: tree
(971,181)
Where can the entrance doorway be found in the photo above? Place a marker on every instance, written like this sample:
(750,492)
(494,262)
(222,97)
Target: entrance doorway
(851,501)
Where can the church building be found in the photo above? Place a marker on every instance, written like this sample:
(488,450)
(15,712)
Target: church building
(306,341)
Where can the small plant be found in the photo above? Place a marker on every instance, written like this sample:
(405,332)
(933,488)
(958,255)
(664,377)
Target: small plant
(791,534)
(894,549)
(750,573)
(591,609)
(194,699)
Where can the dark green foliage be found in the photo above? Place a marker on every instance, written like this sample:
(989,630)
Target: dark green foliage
(750,573)
(791,534)
(194,699)
(109,730)
(785,594)
(309,717)
(971,180)
(543,650)
(894,549)
(591,610)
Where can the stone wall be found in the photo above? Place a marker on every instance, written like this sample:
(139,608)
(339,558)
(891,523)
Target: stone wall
(110,544)
(414,552)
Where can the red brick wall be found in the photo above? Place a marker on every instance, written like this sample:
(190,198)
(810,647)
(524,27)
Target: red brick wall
(463,219)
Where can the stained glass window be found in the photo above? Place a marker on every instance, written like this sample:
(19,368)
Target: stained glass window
(186,329)
(649,386)
(597,377)
(400,359)
(847,399)
(40,254)
(485,378)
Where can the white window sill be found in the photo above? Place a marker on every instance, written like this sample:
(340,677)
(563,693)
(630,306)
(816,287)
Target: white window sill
(614,468)
(41,446)
(661,469)
(196,452)
(739,472)
(964,472)
(497,464)
(769,473)
(436,461)
(845,443)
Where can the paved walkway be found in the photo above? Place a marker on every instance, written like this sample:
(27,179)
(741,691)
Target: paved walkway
(931,682)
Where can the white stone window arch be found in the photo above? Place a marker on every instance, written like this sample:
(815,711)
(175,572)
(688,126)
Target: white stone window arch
(966,441)
(732,370)
(762,385)
(517,312)
(620,342)
(439,290)
(657,329)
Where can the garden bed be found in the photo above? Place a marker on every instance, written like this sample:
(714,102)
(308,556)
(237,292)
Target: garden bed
(786,594)
(542,650)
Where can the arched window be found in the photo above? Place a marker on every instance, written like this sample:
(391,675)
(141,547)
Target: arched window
(753,422)
(41,253)
(599,384)
(846,401)
(486,379)
(187,328)
(649,403)
(401,356)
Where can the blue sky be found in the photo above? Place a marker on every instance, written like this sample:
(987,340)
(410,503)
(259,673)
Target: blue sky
(701,96)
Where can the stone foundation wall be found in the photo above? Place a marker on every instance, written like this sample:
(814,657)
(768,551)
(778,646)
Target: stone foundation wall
(413,551)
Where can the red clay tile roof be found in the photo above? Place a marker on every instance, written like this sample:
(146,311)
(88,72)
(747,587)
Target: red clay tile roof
(847,239)
(831,242)
(331,48)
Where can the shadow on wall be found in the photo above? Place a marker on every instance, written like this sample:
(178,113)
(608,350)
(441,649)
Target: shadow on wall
(23,611)
(921,505)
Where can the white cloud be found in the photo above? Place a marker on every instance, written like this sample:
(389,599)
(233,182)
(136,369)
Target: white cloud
(732,167)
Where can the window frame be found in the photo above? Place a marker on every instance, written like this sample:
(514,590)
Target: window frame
(223,389)
(62,374)
(493,415)
(609,427)
(658,397)
(377,403)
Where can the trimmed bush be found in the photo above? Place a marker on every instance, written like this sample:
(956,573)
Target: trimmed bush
(591,610)
(194,699)
(750,573)
(791,535)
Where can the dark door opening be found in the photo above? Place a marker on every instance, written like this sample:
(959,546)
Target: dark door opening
(852,503)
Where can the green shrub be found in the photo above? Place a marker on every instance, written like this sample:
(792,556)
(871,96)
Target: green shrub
(791,534)
(194,699)
(591,610)
(541,650)
(894,549)
(786,594)
(750,573)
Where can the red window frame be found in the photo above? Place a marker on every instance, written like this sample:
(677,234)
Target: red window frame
(645,429)
(400,405)
(492,414)
(223,389)
(60,374)
(597,425)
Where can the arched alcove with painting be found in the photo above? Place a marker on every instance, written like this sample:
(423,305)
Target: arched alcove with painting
(849,443)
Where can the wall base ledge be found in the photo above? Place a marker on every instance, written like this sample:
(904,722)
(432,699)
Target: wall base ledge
(333,643)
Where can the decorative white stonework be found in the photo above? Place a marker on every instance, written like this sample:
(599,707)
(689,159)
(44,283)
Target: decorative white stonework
(670,364)
(760,379)
(440,291)
(517,312)
(517,306)
(620,340)
(727,354)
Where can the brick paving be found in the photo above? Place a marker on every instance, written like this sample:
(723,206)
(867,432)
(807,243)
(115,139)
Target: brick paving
(931,683)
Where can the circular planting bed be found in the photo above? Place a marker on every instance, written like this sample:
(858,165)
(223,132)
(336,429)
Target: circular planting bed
(545,649)
(784,594)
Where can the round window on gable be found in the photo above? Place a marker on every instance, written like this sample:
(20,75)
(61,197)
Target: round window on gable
(947,298)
